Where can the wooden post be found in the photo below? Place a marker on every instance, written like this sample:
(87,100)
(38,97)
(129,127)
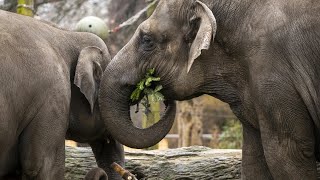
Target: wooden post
(25,7)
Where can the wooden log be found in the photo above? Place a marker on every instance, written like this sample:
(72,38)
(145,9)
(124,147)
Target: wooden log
(79,160)
(195,162)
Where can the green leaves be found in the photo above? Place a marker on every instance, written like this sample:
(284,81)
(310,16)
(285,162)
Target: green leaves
(135,94)
(155,95)
(144,87)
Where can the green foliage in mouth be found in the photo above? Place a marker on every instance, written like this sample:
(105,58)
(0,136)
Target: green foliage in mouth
(147,88)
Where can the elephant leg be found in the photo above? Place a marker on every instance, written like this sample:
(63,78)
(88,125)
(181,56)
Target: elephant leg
(96,174)
(107,152)
(288,139)
(41,143)
(289,157)
(254,164)
(8,139)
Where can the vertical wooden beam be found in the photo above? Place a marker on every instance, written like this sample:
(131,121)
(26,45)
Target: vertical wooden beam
(25,7)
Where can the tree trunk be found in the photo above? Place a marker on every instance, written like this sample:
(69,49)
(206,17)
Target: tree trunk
(189,115)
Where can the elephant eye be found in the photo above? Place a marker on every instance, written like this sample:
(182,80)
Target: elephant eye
(147,43)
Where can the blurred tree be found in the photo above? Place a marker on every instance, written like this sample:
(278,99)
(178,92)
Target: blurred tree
(122,10)
(118,12)
(11,5)
(39,2)
(188,117)
(231,136)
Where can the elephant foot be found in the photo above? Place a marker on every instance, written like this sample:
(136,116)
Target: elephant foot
(96,174)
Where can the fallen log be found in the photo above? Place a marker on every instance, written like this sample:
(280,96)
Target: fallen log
(183,163)
(194,162)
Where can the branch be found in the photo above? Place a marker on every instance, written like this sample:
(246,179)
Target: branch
(134,18)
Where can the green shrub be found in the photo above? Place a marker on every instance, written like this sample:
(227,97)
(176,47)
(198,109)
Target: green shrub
(231,136)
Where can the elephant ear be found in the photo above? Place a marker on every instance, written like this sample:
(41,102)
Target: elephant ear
(88,73)
(206,32)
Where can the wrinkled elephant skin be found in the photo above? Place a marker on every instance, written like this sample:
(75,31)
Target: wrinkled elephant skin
(49,88)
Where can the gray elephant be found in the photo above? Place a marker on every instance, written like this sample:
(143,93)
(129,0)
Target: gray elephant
(50,79)
(261,57)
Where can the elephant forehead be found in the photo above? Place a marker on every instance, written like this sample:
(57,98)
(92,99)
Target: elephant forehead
(172,4)
(173,8)
(176,3)
(169,15)
(161,20)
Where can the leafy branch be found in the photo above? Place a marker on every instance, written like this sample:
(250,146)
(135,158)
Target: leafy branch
(145,88)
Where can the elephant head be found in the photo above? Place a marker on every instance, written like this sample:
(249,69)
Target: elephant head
(85,124)
(85,121)
(170,41)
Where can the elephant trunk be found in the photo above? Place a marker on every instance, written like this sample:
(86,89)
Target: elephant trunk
(114,100)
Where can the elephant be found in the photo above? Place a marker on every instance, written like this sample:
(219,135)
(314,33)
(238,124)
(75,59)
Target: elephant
(96,174)
(260,57)
(50,80)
